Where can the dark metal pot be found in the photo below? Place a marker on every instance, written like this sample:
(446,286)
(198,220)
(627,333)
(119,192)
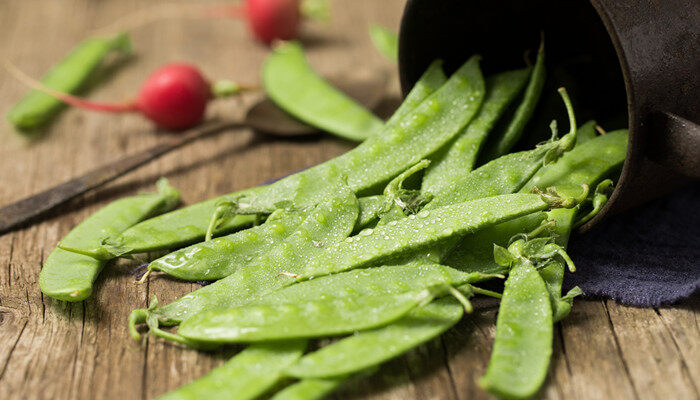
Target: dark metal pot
(608,53)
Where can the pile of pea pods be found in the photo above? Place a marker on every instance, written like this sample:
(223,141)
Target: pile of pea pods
(380,248)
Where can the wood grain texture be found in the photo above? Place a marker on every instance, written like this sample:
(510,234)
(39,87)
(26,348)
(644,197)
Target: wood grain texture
(52,350)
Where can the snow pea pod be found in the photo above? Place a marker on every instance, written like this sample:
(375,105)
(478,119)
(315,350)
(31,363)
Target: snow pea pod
(586,132)
(293,85)
(387,279)
(373,347)
(553,272)
(524,334)
(386,41)
(503,144)
(423,230)
(589,162)
(70,75)
(600,197)
(308,389)
(249,374)
(329,222)
(219,258)
(431,80)
(374,162)
(315,318)
(69,272)
(459,158)
(506,174)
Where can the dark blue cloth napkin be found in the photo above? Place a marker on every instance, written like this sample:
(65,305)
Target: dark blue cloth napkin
(647,256)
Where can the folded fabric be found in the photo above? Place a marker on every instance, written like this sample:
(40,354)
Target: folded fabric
(648,256)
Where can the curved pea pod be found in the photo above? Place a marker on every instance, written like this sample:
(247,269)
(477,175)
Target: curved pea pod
(70,270)
(374,162)
(524,334)
(589,163)
(308,389)
(328,223)
(247,375)
(310,319)
(459,158)
(386,41)
(500,145)
(70,75)
(219,258)
(293,85)
(373,347)
(423,230)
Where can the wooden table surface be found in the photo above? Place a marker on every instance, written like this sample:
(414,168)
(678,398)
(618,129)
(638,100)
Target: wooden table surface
(55,350)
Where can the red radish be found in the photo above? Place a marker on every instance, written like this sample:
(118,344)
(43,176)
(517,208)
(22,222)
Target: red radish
(267,20)
(174,96)
(271,20)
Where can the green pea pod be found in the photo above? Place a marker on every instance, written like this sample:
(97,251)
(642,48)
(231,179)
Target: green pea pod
(328,223)
(373,347)
(600,197)
(387,279)
(70,75)
(68,273)
(423,230)
(310,319)
(474,253)
(249,374)
(291,83)
(431,80)
(553,272)
(588,163)
(459,158)
(222,256)
(586,132)
(308,389)
(373,163)
(506,174)
(386,41)
(501,145)
(524,334)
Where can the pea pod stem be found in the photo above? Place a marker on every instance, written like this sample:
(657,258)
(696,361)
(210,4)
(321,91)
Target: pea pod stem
(485,292)
(600,197)
(502,144)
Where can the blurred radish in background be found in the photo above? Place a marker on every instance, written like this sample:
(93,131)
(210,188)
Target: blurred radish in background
(175,96)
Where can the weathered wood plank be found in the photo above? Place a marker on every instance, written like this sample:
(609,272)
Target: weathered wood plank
(655,363)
